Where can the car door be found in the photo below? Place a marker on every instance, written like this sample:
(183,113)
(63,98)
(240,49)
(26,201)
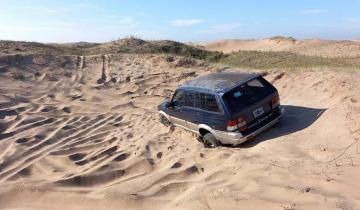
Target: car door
(192,113)
(206,111)
(176,110)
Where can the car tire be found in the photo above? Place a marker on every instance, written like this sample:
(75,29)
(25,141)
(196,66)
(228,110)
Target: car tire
(165,121)
(210,141)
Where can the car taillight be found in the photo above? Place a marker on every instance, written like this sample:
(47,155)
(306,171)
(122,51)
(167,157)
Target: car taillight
(275,101)
(240,123)
(232,125)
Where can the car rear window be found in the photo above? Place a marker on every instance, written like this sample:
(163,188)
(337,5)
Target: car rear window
(247,94)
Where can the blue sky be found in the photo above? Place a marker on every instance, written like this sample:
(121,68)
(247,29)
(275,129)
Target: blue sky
(182,20)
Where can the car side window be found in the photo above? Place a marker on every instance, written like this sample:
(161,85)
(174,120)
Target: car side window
(190,98)
(206,102)
(179,98)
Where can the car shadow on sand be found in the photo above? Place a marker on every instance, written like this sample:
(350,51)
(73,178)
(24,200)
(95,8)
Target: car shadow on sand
(296,118)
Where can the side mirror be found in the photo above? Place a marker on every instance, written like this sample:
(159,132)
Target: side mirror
(168,104)
(174,103)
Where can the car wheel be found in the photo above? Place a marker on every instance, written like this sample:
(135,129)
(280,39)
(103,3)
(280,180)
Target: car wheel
(165,121)
(210,141)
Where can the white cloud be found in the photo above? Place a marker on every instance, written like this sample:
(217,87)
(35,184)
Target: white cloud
(40,9)
(114,20)
(127,21)
(17,28)
(51,11)
(354,20)
(223,28)
(186,22)
(313,11)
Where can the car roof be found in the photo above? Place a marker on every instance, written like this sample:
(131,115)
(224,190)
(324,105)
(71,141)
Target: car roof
(219,82)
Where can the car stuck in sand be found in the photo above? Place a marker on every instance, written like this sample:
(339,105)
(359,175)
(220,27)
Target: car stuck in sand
(224,108)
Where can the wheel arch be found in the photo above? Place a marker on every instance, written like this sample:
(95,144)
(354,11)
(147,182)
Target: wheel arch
(204,129)
(164,114)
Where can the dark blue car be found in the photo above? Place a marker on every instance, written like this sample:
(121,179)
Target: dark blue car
(224,108)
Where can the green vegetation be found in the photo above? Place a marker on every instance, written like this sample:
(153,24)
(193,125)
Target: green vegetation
(133,45)
(270,60)
(130,45)
(245,59)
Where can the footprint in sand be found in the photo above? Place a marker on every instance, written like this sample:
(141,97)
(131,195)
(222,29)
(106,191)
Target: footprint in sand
(67,110)
(122,157)
(176,165)
(192,169)
(48,109)
(22,140)
(77,156)
(25,172)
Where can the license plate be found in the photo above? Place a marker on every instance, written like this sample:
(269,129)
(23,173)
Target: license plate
(259,111)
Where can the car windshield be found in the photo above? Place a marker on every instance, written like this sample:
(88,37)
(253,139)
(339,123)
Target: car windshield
(247,94)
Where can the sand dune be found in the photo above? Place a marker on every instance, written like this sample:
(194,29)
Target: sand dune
(311,47)
(81,132)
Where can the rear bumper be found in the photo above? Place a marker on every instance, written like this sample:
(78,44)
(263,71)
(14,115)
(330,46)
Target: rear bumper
(235,138)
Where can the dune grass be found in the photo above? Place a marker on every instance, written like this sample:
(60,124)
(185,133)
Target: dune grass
(129,45)
(243,59)
(288,60)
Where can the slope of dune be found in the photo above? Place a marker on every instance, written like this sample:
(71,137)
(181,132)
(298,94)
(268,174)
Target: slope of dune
(81,132)
(127,45)
(311,47)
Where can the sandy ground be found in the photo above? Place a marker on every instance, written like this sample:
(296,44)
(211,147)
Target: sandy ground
(311,47)
(82,133)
